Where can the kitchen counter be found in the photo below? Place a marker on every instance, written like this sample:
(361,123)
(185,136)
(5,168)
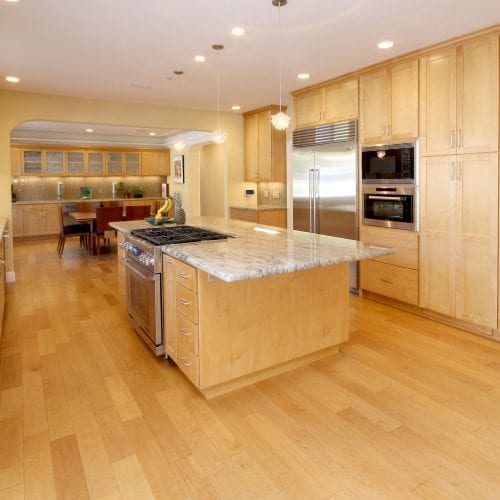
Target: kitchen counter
(79,200)
(259,208)
(257,251)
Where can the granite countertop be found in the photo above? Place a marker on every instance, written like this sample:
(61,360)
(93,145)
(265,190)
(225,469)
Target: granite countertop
(257,251)
(79,200)
(259,208)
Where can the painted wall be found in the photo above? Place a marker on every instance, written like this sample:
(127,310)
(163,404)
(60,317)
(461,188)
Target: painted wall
(212,185)
(17,107)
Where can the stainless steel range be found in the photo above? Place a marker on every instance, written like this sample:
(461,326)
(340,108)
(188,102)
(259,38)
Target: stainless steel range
(143,262)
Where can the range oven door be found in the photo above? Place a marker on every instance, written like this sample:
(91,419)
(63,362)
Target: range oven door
(144,304)
(389,206)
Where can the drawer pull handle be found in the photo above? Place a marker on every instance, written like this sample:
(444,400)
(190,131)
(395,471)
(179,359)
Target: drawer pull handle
(184,332)
(184,302)
(185,276)
(387,281)
(184,361)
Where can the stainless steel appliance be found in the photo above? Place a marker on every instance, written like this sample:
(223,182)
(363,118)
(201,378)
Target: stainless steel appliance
(390,206)
(389,163)
(144,280)
(325,181)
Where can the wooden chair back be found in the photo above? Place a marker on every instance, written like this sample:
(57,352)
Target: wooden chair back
(137,212)
(105,215)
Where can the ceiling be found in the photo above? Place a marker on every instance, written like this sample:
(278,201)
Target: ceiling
(128,50)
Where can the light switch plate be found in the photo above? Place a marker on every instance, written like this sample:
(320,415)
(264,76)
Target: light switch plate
(266,194)
(276,194)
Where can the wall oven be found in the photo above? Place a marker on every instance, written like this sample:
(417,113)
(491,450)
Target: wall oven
(391,206)
(389,163)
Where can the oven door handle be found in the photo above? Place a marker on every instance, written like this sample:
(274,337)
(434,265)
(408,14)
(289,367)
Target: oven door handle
(388,198)
(134,269)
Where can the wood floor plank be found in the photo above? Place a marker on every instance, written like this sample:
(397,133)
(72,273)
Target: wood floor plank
(68,470)
(38,469)
(133,484)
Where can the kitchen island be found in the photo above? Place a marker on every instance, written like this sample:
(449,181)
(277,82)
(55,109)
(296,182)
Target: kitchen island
(261,302)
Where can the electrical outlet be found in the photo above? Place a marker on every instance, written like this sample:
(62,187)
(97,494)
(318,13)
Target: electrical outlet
(266,194)
(276,194)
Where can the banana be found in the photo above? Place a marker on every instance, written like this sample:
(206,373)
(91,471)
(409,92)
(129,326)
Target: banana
(163,211)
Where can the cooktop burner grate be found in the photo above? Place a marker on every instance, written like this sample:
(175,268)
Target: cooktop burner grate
(177,234)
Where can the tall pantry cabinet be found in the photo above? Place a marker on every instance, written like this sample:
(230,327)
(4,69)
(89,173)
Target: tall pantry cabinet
(459,92)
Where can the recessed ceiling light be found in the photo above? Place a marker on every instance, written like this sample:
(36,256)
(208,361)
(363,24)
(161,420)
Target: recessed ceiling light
(235,108)
(303,76)
(387,44)
(199,58)
(89,130)
(11,0)
(12,79)
(238,31)
(152,133)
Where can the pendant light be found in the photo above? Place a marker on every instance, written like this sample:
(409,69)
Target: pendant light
(219,136)
(280,120)
(179,144)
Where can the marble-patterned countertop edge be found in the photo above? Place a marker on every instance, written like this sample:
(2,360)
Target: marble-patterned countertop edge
(3,225)
(256,251)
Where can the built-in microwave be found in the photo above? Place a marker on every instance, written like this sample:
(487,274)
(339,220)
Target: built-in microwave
(390,206)
(389,163)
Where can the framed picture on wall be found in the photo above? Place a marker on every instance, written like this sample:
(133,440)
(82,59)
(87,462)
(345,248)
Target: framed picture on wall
(178,163)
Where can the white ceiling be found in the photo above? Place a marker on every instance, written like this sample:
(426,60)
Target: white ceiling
(127,50)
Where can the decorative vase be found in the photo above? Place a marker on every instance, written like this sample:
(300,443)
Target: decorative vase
(179,215)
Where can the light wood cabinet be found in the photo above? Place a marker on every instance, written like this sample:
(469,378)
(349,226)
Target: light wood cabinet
(155,163)
(459,99)
(17,221)
(276,218)
(54,163)
(40,219)
(459,237)
(32,161)
(76,164)
(389,103)
(15,161)
(95,163)
(265,147)
(396,275)
(331,103)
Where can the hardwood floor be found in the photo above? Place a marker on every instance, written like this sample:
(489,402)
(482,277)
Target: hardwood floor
(409,409)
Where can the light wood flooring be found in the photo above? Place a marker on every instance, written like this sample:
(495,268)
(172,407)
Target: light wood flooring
(409,409)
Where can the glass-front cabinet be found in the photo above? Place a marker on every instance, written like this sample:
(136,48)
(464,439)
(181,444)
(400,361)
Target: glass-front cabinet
(54,162)
(76,163)
(32,162)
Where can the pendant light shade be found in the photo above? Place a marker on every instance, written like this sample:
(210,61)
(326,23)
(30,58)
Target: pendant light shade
(280,120)
(219,136)
(179,144)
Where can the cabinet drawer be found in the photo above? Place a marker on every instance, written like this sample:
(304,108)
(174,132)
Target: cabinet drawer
(32,208)
(186,303)
(189,364)
(187,333)
(406,243)
(248,215)
(50,207)
(391,281)
(186,275)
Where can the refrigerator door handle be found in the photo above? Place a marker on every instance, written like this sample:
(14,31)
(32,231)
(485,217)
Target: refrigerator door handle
(311,200)
(316,200)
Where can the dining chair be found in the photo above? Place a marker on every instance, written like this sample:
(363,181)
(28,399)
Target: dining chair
(102,230)
(137,212)
(67,229)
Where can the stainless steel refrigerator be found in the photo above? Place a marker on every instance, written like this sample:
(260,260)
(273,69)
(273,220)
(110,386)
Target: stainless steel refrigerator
(325,182)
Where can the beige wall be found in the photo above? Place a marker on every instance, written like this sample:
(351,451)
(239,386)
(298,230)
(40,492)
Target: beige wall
(212,185)
(17,107)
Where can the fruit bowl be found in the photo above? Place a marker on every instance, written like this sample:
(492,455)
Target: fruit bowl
(158,222)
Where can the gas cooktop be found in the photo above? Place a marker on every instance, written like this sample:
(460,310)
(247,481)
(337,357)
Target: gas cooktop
(178,234)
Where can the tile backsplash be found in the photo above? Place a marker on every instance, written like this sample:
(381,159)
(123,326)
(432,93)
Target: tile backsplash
(45,188)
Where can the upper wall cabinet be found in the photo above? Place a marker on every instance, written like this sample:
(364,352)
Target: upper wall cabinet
(331,103)
(389,103)
(265,147)
(78,162)
(459,99)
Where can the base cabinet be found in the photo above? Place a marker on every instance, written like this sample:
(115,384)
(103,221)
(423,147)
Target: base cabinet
(276,218)
(459,237)
(394,276)
(40,220)
(219,343)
